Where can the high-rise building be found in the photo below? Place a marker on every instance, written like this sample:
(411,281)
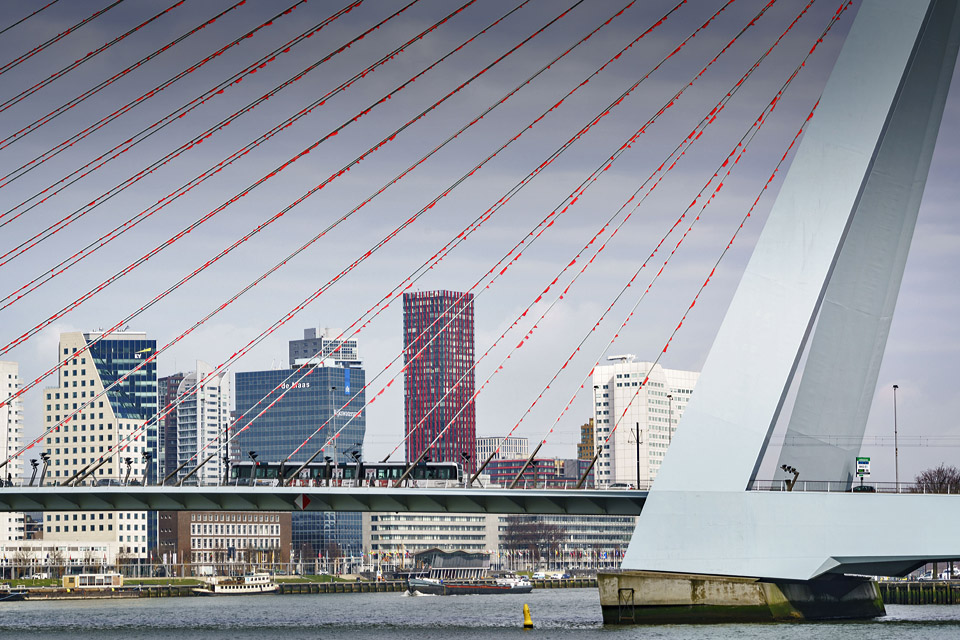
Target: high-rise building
(332,395)
(510,448)
(636,448)
(585,448)
(324,346)
(203,416)
(438,379)
(109,429)
(11,437)
(167,429)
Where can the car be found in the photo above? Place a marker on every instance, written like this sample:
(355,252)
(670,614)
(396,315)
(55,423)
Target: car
(621,486)
(539,575)
(39,576)
(566,576)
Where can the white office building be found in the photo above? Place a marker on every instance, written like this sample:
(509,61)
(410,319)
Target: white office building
(110,439)
(203,415)
(633,450)
(510,448)
(11,439)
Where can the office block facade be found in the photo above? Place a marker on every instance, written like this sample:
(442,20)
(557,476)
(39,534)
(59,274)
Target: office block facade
(330,395)
(203,415)
(438,382)
(110,428)
(11,439)
(633,452)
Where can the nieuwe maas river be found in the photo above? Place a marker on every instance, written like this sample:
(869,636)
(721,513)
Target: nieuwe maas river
(563,613)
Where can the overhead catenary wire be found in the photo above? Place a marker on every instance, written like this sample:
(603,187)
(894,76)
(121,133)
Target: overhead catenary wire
(166,410)
(86,58)
(156,127)
(63,34)
(341,172)
(32,164)
(28,16)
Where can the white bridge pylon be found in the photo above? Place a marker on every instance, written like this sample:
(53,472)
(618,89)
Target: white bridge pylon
(831,256)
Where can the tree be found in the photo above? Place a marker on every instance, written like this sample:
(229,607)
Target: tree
(532,534)
(942,479)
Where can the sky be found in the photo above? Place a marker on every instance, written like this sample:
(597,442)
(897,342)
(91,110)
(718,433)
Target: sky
(924,340)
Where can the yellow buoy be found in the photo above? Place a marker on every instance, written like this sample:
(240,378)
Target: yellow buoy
(527,620)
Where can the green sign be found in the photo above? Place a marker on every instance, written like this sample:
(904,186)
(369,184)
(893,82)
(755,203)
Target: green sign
(863,467)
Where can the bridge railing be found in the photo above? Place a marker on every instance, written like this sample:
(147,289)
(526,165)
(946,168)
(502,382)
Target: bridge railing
(840,486)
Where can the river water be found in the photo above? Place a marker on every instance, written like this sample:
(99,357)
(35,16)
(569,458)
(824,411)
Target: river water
(561,613)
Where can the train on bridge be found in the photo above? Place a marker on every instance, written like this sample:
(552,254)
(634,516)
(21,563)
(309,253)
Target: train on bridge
(346,474)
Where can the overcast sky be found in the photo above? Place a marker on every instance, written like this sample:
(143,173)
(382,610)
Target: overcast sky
(924,340)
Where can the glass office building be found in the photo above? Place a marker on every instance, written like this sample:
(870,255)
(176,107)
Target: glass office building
(332,396)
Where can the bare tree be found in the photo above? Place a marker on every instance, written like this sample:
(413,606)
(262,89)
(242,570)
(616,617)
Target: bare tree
(534,535)
(942,479)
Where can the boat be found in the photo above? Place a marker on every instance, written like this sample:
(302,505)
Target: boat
(434,586)
(8,594)
(247,584)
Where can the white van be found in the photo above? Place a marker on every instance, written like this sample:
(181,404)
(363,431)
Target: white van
(539,575)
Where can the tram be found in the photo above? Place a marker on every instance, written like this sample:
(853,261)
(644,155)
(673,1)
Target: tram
(345,474)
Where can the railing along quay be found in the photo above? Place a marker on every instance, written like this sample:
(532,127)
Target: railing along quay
(926,592)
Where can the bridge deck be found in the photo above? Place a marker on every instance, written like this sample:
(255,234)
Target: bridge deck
(460,500)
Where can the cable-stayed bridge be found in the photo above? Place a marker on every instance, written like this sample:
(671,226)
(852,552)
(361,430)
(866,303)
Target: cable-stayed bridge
(820,288)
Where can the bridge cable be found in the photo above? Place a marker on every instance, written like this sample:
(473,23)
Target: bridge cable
(76,63)
(274,130)
(384,141)
(29,166)
(686,313)
(194,225)
(668,164)
(40,47)
(27,17)
(542,226)
(759,122)
(13,137)
(692,137)
(316,294)
(170,118)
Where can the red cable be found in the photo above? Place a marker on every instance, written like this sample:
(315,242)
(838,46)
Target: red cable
(27,17)
(727,163)
(280,323)
(76,63)
(56,38)
(382,143)
(717,263)
(77,137)
(170,118)
(551,218)
(13,137)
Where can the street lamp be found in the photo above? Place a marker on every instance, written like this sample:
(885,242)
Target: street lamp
(796,474)
(253,469)
(896,458)
(34,464)
(129,463)
(670,421)
(146,467)
(637,435)
(45,457)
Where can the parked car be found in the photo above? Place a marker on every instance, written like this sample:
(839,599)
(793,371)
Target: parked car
(926,575)
(40,576)
(539,575)
(621,486)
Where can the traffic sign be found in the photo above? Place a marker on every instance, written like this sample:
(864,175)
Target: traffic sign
(301,501)
(863,467)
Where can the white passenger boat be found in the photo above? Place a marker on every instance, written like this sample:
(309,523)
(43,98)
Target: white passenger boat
(247,584)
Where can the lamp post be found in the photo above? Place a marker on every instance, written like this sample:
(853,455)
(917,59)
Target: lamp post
(637,436)
(670,420)
(896,456)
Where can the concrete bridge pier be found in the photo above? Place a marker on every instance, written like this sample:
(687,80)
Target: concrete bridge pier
(653,597)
